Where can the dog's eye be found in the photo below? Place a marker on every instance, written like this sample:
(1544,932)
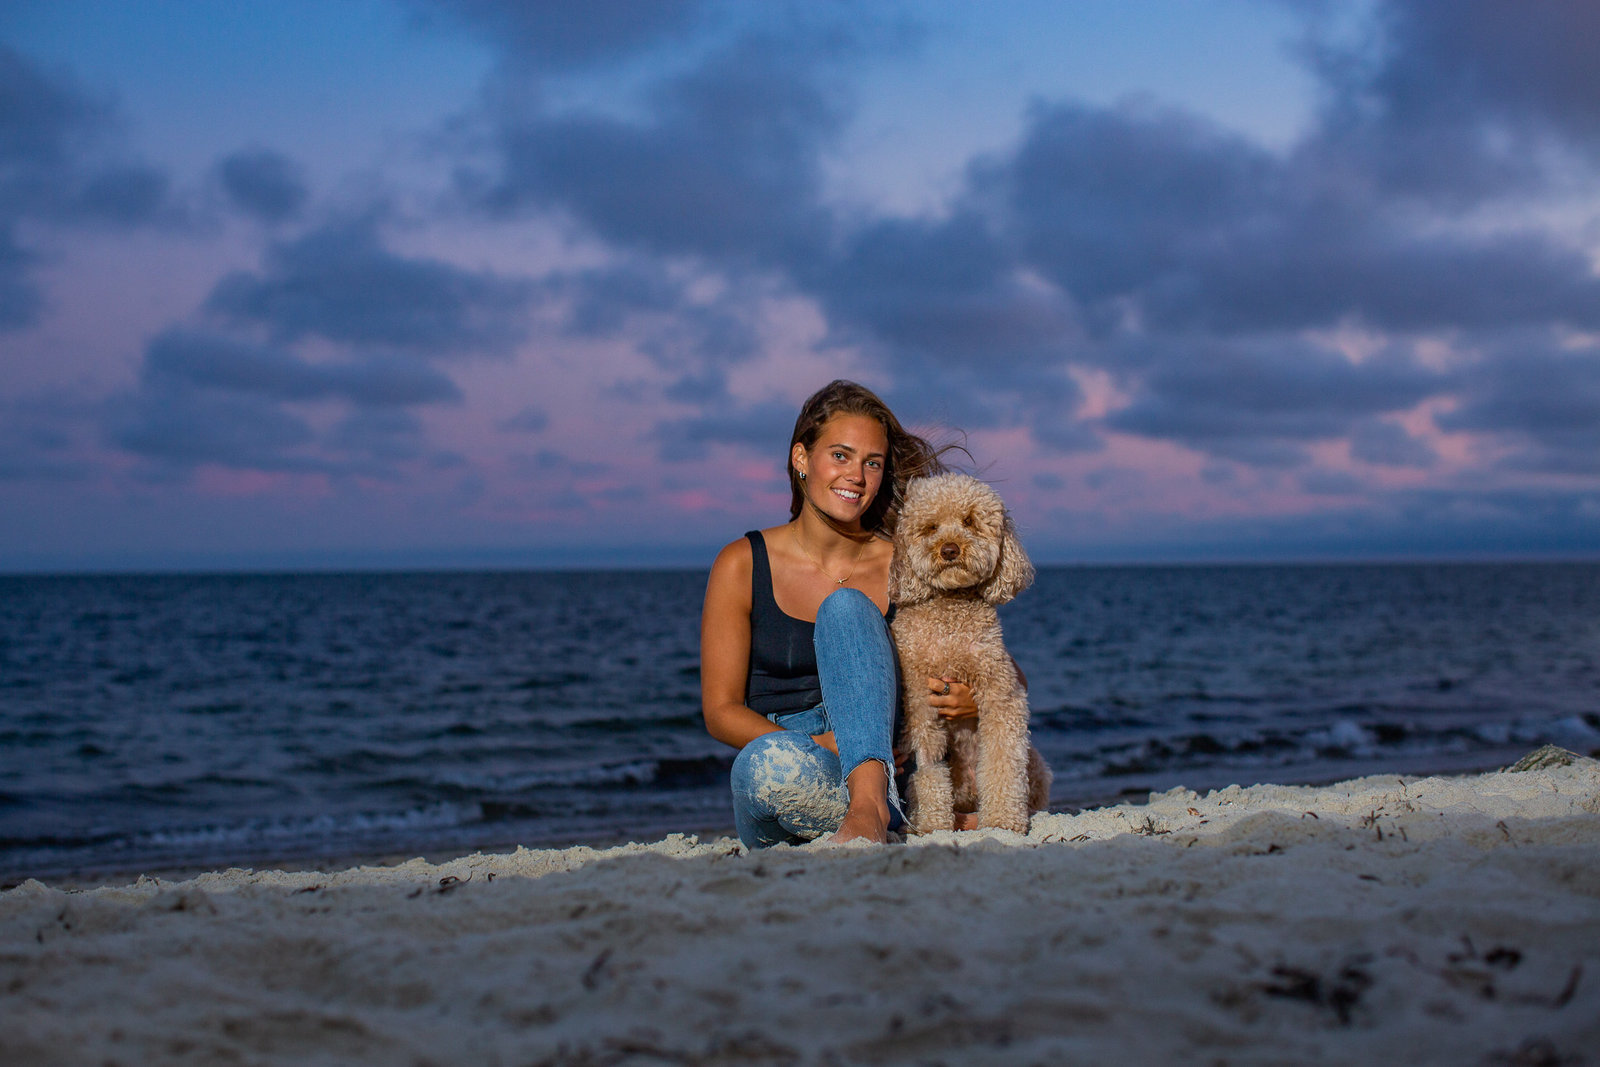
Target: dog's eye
(969,521)
(929,529)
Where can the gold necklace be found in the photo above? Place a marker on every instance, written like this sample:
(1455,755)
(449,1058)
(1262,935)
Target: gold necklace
(818,563)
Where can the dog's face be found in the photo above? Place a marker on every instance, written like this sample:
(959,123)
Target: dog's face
(954,534)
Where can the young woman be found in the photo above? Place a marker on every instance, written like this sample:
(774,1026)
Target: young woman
(796,667)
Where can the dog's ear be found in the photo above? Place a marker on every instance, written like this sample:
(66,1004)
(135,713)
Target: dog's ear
(1015,572)
(905,587)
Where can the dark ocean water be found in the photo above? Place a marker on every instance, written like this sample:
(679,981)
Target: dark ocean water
(165,721)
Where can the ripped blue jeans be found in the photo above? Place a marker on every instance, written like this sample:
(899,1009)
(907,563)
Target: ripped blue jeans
(786,787)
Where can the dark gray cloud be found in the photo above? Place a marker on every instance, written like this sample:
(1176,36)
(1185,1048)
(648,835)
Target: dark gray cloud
(57,166)
(44,119)
(1320,482)
(20,298)
(1113,201)
(1053,418)
(692,340)
(699,335)
(699,388)
(1160,215)
(385,438)
(1437,523)
(1456,101)
(181,429)
(57,157)
(945,291)
(264,184)
(339,282)
(640,297)
(943,304)
(1471,521)
(1048,480)
(602,301)
(124,195)
(1260,402)
(40,438)
(184,359)
(528,420)
(1389,445)
(758,426)
(1541,399)
(205,398)
(727,165)
(1336,267)
(549,462)
(555,34)
(1523,62)
(215,393)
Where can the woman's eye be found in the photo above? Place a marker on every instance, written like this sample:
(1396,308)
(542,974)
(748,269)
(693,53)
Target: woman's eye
(875,465)
(838,457)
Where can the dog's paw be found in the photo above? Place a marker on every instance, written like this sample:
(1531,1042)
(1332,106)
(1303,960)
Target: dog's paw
(1017,823)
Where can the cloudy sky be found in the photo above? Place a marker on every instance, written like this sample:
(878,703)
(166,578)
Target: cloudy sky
(487,282)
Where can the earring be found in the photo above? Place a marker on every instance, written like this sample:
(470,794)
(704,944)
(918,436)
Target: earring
(802,475)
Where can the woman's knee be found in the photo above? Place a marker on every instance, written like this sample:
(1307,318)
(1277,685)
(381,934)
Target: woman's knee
(778,756)
(848,607)
(786,787)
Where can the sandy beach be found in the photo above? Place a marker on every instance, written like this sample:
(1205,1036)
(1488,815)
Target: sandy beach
(1381,920)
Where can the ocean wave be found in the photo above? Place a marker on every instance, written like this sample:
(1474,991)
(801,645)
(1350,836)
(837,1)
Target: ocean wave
(1339,740)
(664,771)
(204,842)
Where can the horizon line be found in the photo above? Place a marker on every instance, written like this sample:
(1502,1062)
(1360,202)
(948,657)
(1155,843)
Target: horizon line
(330,565)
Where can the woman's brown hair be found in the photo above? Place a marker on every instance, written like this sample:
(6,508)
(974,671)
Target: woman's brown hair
(909,456)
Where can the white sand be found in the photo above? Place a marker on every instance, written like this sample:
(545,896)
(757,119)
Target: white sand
(1383,920)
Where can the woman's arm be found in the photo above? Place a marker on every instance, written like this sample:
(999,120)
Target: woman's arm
(725,650)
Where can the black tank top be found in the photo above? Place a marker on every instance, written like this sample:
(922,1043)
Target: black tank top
(783,659)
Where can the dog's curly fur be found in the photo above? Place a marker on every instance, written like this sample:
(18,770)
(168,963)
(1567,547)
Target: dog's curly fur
(956,556)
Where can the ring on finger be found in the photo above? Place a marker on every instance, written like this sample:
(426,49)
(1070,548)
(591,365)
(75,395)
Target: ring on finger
(946,690)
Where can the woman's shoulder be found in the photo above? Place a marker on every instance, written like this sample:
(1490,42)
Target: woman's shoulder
(737,558)
(739,547)
(728,585)
(734,559)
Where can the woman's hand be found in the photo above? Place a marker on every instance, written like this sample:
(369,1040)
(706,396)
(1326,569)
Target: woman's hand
(951,699)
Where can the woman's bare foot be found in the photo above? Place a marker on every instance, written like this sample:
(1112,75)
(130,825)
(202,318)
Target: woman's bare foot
(863,824)
(867,818)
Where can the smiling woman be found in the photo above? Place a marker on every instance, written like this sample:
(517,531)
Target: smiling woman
(797,671)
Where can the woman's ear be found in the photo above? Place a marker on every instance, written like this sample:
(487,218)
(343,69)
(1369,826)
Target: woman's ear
(797,459)
(1015,572)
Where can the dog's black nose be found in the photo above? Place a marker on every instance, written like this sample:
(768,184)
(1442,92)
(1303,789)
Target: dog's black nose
(949,551)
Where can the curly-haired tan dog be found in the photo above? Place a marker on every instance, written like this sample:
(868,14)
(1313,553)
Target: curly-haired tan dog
(956,556)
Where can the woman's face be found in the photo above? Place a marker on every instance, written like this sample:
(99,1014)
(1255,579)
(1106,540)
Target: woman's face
(844,469)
